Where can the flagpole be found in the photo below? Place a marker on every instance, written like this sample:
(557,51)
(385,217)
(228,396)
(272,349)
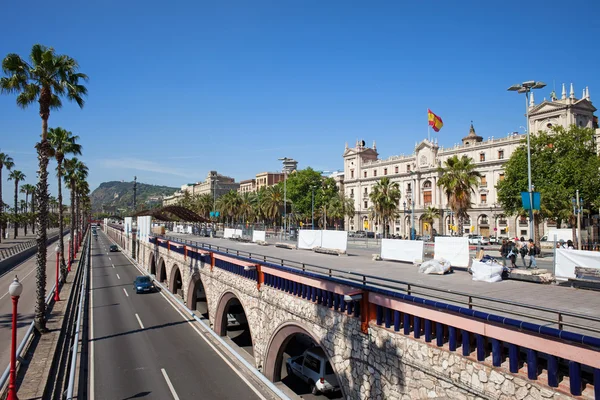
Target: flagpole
(428,127)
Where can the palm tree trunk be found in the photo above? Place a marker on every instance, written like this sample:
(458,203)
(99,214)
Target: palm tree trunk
(16,225)
(26,212)
(2,223)
(33,211)
(73,228)
(41,220)
(61,242)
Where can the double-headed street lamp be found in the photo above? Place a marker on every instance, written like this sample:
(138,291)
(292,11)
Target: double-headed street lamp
(312,187)
(577,210)
(285,159)
(527,87)
(404,220)
(15,289)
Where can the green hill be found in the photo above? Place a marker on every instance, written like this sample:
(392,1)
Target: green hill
(110,196)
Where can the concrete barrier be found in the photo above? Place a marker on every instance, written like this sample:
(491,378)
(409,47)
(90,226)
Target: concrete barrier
(8,263)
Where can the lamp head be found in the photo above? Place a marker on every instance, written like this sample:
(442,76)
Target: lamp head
(16,288)
(514,87)
(57,249)
(538,85)
(529,84)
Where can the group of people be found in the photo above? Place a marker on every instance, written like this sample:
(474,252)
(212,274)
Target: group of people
(510,250)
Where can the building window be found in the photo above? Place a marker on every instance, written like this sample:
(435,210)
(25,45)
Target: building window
(396,169)
(483,198)
(365,174)
(366,192)
(366,205)
(407,167)
(385,171)
(427,197)
(481,156)
(351,173)
(374,172)
(501,177)
(408,188)
(500,154)
(427,185)
(351,193)
(483,181)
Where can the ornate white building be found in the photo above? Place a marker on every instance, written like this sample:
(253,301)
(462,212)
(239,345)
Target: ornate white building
(417,173)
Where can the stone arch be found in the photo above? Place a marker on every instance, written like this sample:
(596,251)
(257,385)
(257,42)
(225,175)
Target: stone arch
(194,287)
(152,264)
(176,280)
(220,320)
(274,357)
(162,270)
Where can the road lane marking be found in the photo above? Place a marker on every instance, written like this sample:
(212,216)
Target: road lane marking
(126,294)
(113,265)
(110,258)
(140,321)
(169,384)
(91,332)
(203,336)
(118,277)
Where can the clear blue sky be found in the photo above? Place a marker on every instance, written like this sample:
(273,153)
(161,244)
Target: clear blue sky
(180,88)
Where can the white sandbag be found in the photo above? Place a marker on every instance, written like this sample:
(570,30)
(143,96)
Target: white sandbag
(439,267)
(486,272)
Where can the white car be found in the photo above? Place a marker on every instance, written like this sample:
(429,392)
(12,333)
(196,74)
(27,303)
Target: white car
(314,368)
(476,239)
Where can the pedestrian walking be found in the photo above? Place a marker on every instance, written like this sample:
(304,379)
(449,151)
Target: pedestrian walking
(533,252)
(512,254)
(523,252)
(504,251)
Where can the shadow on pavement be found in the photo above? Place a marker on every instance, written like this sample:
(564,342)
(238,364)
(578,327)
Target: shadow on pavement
(141,330)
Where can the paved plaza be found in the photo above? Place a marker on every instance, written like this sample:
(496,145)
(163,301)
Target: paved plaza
(530,296)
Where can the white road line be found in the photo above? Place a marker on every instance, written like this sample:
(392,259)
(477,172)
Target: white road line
(118,277)
(113,265)
(233,368)
(139,320)
(169,384)
(110,258)
(126,294)
(91,332)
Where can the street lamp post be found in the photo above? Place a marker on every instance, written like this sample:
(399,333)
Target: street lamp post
(70,253)
(404,220)
(413,233)
(15,289)
(577,210)
(56,296)
(284,159)
(313,208)
(527,87)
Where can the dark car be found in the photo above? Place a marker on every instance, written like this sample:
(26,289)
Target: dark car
(143,284)
(113,247)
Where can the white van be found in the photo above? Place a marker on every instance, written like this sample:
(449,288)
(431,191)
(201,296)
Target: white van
(314,368)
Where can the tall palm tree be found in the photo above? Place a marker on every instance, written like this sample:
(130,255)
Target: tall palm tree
(272,202)
(44,80)
(245,207)
(203,204)
(17,176)
(385,197)
(73,170)
(5,161)
(27,189)
(340,207)
(458,177)
(82,190)
(430,214)
(63,142)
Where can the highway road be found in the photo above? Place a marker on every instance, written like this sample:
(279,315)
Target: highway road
(142,346)
(26,273)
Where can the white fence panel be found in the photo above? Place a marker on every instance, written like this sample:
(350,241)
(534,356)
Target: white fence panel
(229,232)
(337,240)
(402,250)
(567,260)
(453,249)
(309,239)
(259,236)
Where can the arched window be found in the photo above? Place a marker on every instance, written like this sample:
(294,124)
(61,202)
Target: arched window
(427,193)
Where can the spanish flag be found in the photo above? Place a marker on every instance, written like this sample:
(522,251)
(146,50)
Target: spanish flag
(434,121)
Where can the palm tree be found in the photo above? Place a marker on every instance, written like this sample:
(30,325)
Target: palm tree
(272,202)
(339,207)
(458,179)
(82,190)
(430,214)
(385,197)
(62,142)
(74,170)
(27,189)
(17,176)
(245,207)
(203,204)
(5,161)
(49,77)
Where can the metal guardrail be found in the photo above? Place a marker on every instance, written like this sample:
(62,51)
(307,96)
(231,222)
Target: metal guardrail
(75,347)
(411,289)
(16,249)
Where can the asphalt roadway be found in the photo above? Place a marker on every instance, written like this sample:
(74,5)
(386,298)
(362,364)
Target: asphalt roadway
(142,346)
(26,308)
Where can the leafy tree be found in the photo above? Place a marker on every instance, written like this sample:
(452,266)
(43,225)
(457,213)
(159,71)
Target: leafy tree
(47,78)
(5,161)
(458,177)
(17,176)
(385,197)
(62,143)
(299,186)
(562,161)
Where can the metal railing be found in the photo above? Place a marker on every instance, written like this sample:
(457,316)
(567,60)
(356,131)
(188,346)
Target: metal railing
(468,300)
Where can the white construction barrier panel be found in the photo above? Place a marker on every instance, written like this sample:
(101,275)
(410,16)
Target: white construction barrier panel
(402,250)
(143,228)
(336,240)
(128,224)
(105,224)
(309,239)
(238,233)
(567,260)
(453,249)
(259,236)
(229,232)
